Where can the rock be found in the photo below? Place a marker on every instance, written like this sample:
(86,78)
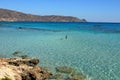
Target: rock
(5,78)
(77,76)
(56,76)
(71,73)
(7,71)
(24,56)
(65,69)
(31,73)
(22,69)
(29,62)
(16,53)
(34,61)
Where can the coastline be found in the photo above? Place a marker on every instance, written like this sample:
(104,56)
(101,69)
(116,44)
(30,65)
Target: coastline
(27,69)
(21,69)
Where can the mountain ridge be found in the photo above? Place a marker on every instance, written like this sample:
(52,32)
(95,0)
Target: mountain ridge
(12,16)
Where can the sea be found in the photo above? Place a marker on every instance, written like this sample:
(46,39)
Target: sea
(92,48)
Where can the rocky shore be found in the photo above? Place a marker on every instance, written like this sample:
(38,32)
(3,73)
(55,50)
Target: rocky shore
(27,69)
(21,69)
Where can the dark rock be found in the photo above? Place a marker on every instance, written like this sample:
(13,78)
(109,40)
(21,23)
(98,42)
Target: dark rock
(65,69)
(31,74)
(33,61)
(16,53)
(77,76)
(13,63)
(29,62)
(24,56)
(56,76)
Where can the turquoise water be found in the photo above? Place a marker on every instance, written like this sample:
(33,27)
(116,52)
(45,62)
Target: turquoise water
(91,48)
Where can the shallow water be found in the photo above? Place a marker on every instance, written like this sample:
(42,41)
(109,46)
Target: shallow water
(91,48)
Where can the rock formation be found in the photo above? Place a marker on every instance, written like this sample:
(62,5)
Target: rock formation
(10,15)
(21,69)
(27,69)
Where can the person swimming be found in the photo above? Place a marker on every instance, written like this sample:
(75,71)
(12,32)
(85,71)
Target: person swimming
(66,37)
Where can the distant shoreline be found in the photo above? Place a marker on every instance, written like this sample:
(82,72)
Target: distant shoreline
(10,15)
(57,22)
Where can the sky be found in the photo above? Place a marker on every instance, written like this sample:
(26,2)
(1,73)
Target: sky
(91,10)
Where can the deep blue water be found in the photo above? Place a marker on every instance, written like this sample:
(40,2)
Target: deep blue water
(63,26)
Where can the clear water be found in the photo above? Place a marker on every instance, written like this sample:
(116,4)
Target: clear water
(92,48)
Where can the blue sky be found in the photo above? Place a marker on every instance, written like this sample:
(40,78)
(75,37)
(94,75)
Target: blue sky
(91,10)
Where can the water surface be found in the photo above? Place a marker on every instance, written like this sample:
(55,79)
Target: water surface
(91,48)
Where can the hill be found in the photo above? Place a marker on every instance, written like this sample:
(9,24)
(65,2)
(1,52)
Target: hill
(10,15)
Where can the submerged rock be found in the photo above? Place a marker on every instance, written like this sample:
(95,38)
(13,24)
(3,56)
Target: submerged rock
(24,56)
(16,53)
(77,76)
(22,69)
(70,73)
(56,76)
(65,69)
